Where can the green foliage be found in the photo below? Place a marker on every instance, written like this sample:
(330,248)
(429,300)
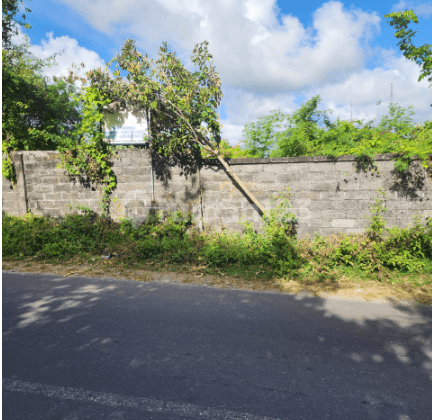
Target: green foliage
(403,249)
(184,103)
(421,55)
(10,9)
(174,239)
(262,136)
(229,152)
(89,156)
(377,223)
(309,132)
(36,115)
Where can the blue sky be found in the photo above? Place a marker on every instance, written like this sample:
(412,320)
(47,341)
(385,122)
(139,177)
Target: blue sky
(270,54)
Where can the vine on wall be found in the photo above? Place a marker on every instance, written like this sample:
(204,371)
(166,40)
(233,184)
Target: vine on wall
(90,157)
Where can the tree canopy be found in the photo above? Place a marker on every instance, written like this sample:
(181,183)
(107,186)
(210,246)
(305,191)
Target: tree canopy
(36,114)
(421,55)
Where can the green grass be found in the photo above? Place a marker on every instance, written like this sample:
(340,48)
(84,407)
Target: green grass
(385,255)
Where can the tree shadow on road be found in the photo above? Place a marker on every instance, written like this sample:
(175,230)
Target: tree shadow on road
(300,354)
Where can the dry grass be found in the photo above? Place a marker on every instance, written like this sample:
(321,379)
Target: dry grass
(340,286)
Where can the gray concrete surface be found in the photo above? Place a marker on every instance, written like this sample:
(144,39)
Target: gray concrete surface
(85,348)
(327,196)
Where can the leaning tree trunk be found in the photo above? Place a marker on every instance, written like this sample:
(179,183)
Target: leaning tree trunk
(242,184)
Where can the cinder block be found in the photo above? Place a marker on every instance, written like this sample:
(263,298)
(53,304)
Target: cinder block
(299,186)
(343,223)
(297,167)
(287,177)
(372,185)
(265,177)
(398,214)
(10,195)
(130,187)
(139,195)
(65,188)
(300,203)
(318,223)
(322,186)
(277,168)
(356,195)
(32,204)
(385,166)
(352,204)
(303,214)
(331,195)
(217,177)
(54,213)
(43,188)
(249,177)
(350,186)
(316,176)
(320,167)
(251,168)
(52,196)
(70,196)
(362,223)
(306,232)
(322,204)
(354,214)
(332,214)
(344,166)
(133,170)
(400,205)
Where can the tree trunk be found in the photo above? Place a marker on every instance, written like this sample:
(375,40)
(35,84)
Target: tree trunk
(261,209)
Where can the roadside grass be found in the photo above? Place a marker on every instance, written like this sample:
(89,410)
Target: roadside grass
(341,283)
(381,263)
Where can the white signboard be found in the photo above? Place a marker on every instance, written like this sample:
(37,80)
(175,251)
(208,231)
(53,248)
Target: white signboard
(125,127)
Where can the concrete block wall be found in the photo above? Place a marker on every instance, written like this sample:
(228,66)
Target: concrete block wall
(14,196)
(327,196)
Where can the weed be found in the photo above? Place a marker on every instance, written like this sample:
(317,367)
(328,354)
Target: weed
(173,241)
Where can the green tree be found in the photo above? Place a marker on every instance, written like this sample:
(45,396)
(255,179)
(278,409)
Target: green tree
(10,9)
(421,55)
(36,114)
(183,103)
(309,132)
(398,120)
(262,136)
(304,130)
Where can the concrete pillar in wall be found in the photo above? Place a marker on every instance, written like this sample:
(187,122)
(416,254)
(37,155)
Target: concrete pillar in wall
(21,184)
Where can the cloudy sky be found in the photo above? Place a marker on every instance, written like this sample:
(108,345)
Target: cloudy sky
(270,53)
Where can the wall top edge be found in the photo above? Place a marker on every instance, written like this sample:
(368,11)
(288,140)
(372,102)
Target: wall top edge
(300,159)
(239,161)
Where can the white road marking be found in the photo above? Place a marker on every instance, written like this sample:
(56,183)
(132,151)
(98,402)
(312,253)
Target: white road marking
(116,400)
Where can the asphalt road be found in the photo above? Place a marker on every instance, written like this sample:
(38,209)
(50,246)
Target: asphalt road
(85,348)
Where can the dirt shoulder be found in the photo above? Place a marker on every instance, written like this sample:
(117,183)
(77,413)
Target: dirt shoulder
(341,287)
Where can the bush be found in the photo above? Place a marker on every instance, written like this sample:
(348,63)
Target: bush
(177,241)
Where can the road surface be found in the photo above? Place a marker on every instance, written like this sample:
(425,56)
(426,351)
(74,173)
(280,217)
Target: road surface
(84,348)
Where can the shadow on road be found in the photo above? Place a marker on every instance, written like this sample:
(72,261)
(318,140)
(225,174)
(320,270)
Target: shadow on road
(186,342)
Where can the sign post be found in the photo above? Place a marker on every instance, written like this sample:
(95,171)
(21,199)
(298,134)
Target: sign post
(126,128)
(129,128)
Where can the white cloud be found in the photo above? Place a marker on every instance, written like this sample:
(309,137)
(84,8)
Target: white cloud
(421,9)
(252,48)
(367,86)
(370,86)
(69,52)
(264,58)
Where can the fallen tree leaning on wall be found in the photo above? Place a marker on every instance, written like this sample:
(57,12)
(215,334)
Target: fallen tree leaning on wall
(183,104)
